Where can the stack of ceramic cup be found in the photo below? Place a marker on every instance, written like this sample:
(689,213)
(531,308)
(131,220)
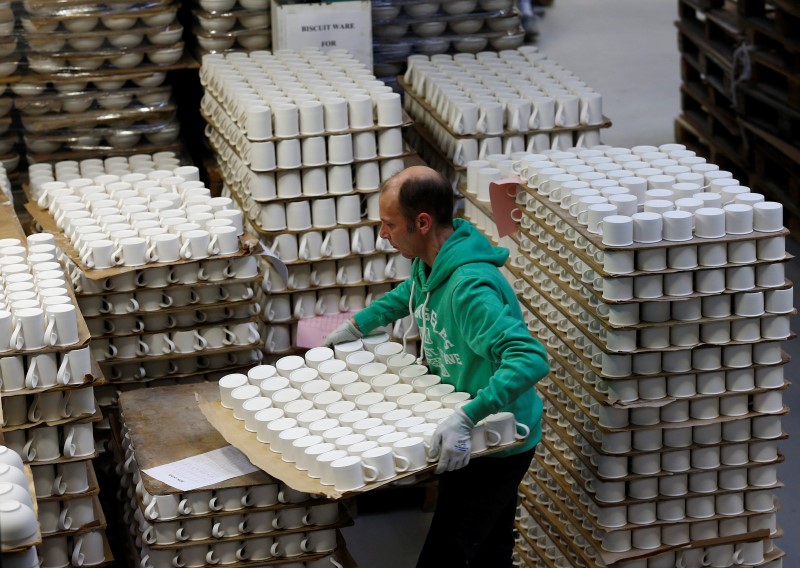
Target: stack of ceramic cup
(48,401)
(257,524)
(17,512)
(87,86)
(470,106)
(152,318)
(402,28)
(221,26)
(663,411)
(304,140)
(361,412)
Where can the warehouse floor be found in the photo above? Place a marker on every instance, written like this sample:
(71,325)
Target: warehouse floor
(627,51)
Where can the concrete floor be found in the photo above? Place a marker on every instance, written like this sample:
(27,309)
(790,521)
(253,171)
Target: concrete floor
(626,50)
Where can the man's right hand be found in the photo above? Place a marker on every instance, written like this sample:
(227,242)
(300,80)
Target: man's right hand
(347,331)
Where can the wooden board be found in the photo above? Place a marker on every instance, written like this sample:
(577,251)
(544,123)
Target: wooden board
(166,425)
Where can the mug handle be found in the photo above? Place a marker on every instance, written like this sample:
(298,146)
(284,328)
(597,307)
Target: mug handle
(303,252)
(275,550)
(69,447)
(210,558)
(241,553)
(150,511)
(59,485)
(325,248)
(65,410)
(170,346)
(525,428)
(28,451)
(243,527)
(166,301)
(200,317)
(492,437)
(32,377)
(134,306)
(184,508)
(17,340)
(390,272)
(533,121)
(77,557)
(214,504)
(370,473)
(139,325)
(143,349)
(193,297)
(150,254)
(185,251)
(224,295)
(216,532)
(213,249)
(64,521)
(34,413)
(202,342)
(319,308)
(559,115)
(405,463)
(148,536)
(50,333)
(177,561)
(341,278)
(181,534)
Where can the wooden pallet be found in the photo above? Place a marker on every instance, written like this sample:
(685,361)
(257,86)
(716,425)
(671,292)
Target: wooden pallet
(713,62)
(715,124)
(777,74)
(760,108)
(770,23)
(775,170)
(719,24)
(687,133)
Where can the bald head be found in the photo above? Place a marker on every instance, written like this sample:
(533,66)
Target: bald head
(420,189)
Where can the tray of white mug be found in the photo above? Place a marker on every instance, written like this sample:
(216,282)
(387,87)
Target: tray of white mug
(577,479)
(248,244)
(62,127)
(96,416)
(216,115)
(36,539)
(258,344)
(426,106)
(692,422)
(629,476)
(581,253)
(571,298)
(595,366)
(260,156)
(599,426)
(170,310)
(98,522)
(95,379)
(568,221)
(232,430)
(92,490)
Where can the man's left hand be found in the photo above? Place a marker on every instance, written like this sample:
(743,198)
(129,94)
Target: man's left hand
(452,442)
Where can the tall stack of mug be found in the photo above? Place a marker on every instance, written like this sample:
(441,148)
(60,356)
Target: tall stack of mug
(48,400)
(89,79)
(220,26)
(21,533)
(304,140)
(468,106)
(258,524)
(657,283)
(163,272)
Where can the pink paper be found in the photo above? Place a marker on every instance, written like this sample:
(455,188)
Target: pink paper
(503,197)
(312,331)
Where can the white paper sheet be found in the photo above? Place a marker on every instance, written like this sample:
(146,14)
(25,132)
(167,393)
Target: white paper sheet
(205,469)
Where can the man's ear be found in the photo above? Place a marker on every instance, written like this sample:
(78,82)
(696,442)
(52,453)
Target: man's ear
(424,223)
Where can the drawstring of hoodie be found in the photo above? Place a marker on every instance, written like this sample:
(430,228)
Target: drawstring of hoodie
(423,331)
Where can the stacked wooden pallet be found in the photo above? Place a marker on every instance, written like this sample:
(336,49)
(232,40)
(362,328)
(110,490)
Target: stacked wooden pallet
(740,97)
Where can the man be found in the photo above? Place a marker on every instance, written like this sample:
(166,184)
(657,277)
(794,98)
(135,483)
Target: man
(474,337)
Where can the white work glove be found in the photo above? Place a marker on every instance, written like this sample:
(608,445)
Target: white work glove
(345,332)
(452,443)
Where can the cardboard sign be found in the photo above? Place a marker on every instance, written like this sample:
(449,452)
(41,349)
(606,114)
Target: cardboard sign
(337,25)
(312,331)
(503,197)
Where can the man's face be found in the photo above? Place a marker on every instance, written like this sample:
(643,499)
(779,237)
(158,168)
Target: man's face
(395,227)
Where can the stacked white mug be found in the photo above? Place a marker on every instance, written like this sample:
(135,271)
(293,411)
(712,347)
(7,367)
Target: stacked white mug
(664,325)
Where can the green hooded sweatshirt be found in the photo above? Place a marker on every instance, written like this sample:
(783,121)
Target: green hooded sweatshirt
(473,332)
